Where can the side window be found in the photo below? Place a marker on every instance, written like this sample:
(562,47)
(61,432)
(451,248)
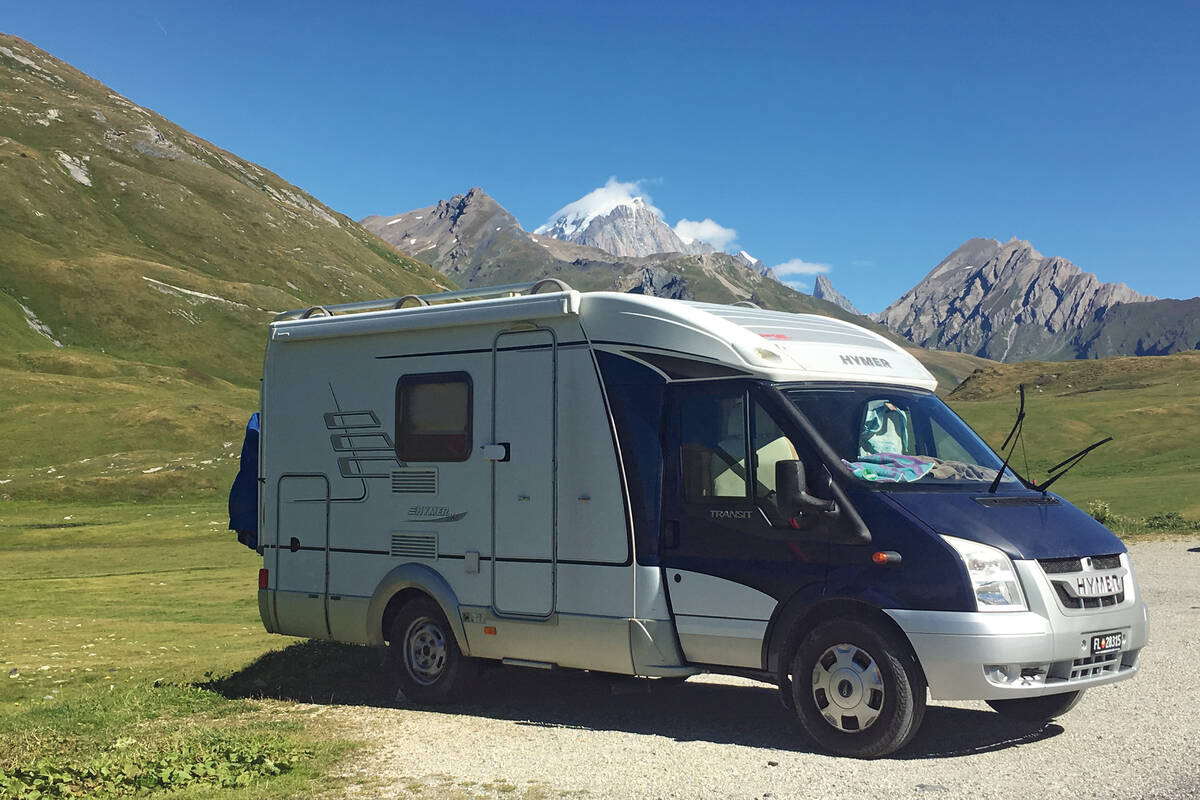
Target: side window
(433,417)
(713,448)
(771,446)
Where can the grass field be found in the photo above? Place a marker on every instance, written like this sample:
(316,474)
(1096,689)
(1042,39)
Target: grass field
(122,630)
(1150,405)
(131,653)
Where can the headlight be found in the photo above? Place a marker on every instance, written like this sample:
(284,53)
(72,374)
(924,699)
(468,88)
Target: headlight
(993,578)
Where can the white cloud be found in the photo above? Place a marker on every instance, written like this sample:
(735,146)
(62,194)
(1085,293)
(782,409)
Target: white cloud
(706,230)
(787,271)
(600,201)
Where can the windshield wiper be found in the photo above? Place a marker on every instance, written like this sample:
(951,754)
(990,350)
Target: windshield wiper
(1013,436)
(1066,464)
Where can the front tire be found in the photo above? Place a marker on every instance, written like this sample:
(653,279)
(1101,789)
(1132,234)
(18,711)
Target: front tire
(1037,709)
(429,666)
(857,689)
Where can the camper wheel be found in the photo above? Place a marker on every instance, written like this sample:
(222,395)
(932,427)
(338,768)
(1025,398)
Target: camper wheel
(428,664)
(857,688)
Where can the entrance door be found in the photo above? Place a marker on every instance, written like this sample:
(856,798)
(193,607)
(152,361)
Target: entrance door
(730,555)
(301,568)
(523,486)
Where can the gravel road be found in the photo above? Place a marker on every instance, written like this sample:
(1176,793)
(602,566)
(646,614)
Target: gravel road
(539,735)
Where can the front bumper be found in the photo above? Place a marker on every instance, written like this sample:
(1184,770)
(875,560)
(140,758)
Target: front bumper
(1045,650)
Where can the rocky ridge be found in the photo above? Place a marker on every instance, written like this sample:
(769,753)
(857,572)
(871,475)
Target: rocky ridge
(1006,302)
(823,290)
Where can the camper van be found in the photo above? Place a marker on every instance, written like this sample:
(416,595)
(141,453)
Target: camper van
(648,487)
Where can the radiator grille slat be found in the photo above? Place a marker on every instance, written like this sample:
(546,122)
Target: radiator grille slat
(415,545)
(415,480)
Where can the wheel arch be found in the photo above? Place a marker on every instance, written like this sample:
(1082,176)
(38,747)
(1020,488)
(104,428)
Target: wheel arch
(402,584)
(798,617)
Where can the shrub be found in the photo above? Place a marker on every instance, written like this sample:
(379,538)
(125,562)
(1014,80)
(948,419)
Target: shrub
(1167,521)
(1100,511)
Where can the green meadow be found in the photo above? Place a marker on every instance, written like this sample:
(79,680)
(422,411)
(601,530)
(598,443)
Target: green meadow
(132,658)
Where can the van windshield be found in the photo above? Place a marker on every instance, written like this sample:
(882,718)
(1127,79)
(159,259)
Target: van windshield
(888,435)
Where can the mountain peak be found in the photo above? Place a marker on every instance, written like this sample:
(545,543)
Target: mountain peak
(623,226)
(1003,301)
(823,290)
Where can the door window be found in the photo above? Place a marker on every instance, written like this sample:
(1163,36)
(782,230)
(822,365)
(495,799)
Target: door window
(713,448)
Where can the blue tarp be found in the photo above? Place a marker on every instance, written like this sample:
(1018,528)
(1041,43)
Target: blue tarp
(243,496)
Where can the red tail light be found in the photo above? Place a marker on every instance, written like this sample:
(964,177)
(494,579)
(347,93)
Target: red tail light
(262,578)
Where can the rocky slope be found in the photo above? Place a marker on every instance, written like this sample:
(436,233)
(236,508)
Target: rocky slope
(1006,302)
(124,233)
(474,241)
(823,290)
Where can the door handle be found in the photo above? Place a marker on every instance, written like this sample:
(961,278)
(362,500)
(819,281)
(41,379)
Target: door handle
(671,534)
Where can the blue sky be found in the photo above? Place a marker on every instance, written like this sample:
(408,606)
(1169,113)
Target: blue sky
(869,137)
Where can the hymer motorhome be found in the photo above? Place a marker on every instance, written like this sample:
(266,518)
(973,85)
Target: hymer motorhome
(613,482)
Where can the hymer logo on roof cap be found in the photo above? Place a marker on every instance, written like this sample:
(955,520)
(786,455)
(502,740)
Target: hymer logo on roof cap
(866,361)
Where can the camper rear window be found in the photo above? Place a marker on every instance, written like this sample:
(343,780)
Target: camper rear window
(433,417)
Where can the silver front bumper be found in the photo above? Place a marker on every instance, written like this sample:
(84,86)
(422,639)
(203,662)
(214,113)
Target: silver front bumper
(1045,650)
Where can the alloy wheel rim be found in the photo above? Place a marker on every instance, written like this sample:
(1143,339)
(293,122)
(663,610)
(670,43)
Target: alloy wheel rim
(847,686)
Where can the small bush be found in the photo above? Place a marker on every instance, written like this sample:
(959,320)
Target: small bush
(1167,521)
(1100,511)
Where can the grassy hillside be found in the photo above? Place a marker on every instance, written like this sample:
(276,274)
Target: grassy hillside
(125,234)
(139,267)
(1150,405)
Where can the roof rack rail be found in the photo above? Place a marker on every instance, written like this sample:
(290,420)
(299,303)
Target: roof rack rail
(542,286)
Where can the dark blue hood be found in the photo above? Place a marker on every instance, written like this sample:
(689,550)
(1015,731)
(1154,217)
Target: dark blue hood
(1022,525)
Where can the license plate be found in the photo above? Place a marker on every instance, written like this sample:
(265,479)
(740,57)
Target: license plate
(1107,643)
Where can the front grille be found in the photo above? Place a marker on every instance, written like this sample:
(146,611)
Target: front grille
(1092,666)
(1054,566)
(1064,574)
(1086,602)
(1106,562)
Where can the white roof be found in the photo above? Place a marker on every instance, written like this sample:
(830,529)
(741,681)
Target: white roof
(770,344)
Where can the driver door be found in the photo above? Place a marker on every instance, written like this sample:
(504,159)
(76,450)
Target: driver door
(730,554)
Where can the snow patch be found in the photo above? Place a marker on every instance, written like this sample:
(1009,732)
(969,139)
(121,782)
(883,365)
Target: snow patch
(749,258)
(75,167)
(20,59)
(167,288)
(394,221)
(32,321)
(412,241)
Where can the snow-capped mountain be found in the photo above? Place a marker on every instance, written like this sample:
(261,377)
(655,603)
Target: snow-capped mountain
(629,228)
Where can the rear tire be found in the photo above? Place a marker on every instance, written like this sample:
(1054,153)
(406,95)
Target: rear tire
(1037,709)
(428,664)
(857,689)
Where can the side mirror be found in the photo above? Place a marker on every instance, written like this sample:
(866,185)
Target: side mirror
(791,487)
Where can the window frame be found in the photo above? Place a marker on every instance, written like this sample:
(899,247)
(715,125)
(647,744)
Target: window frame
(403,439)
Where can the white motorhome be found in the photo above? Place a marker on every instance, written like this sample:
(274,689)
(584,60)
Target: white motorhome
(650,487)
